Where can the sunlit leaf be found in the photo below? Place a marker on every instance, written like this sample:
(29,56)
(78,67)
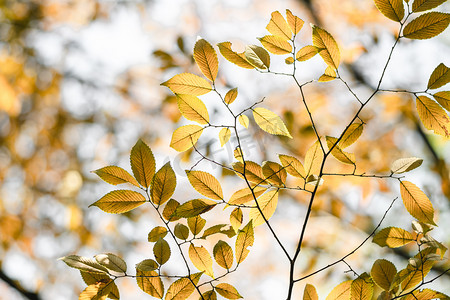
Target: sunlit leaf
(236,58)
(119,201)
(351,135)
(223,254)
(185,137)
(276,45)
(196,224)
(313,159)
(306,53)
(427,25)
(416,202)
(245,195)
(268,204)
(182,288)
(236,218)
(161,251)
(289,60)
(224,136)
(341,291)
(274,173)
(94,278)
(415,274)
(181,231)
(443,98)
(201,259)
(96,291)
(327,46)
(393,237)
(209,295)
(383,273)
(292,165)
(328,75)
(115,175)
(244,121)
(270,122)
(403,165)
(194,208)
(439,77)
(112,262)
(253,171)
(230,96)
(206,184)
(245,239)
(206,58)
(163,185)
(338,153)
(361,288)
(310,293)
(424,5)
(257,56)
(393,9)
(192,108)
(84,264)
(142,163)
(147,265)
(278,26)
(169,210)
(187,83)
(294,22)
(433,116)
(219,228)
(237,153)
(227,291)
(150,283)
(426,294)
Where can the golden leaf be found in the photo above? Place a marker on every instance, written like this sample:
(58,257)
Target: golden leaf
(270,122)
(403,165)
(187,83)
(306,53)
(209,295)
(111,262)
(274,173)
(192,108)
(244,121)
(361,289)
(417,203)
(115,175)
(341,291)
(351,135)
(245,239)
(253,171)
(310,293)
(147,265)
(383,273)
(236,218)
(338,153)
(245,195)
(223,254)
(163,185)
(289,60)
(161,251)
(433,116)
(327,46)
(185,137)
(156,233)
(443,98)
(94,278)
(182,288)
(230,96)
(276,45)
(426,294)
(196,224)
(119,201)
(393,9)
(278,26)
(424,5)
(328,75)
(228,291)
(224,136)
(294,22)
(293,165)
(206,58)
(169,210)
(439,77)
(257,56)
(393,237)
(313,159)
(150,283)
(427,25)
(96,291)
(201,259)
(194,208)
(268,204)
(142,163)
(206,184)
(236,58)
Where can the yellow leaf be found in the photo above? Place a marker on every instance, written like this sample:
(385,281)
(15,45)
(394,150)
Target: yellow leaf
(253,171)
(433,117)
(223,254)
(278,26)
(183,287)
(161,251)
(219,228)
(209,295)
(228,291)
(268,204)
(187,83)
(245,239)
(275,44)
(84,264)
(351,135)
(403,165)
(169,210)
(115,175)
(150,283)
(142,163)
(244,121)
(96,291)
(194,208)
(327,46)
(120,201)
(245,195)
(156,233)
(270,122)
(393,237)
(224,136)
(230,96)
(424,5)
(181,231)
(274,173)
(383,273)
(313,159)
(426,294)
(417,203)
(289,61)
(361,289)
(236,58)
(328,75)
(341,291)
(147,265)
(294,22)
(415,274)
(112,262)
(427,25)
(163,185)
(185,137)
(338,153)
(439,77)
(192,108)
(205,184)
(201,259)
(443,98)
(94,278)
(306,53)
(196,224)
(206,58)
(238,154)
(257,56)
(293,165)
(393,9)
(236,218)
(310,293)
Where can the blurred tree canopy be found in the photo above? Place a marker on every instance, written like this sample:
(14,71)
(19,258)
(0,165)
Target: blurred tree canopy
(80,83)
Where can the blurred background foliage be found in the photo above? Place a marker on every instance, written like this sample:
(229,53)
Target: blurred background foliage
(79,84)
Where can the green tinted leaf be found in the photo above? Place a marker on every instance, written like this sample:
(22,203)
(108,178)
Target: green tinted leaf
(142,163)
(161,251)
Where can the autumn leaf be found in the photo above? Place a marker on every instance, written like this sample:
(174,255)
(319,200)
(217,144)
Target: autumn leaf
(206,184)
(361,288)
(194,208)
(206,58)
(270,122)
(313,159)
(443,98)
(156,233)
(417,203)
(196,224)
(245,195)
(187,83)
(338,153)
(351,135)
(181,231)
(292,165)
(383,273)
(244,121)
(236,218)
(433,116)
(427,25)
(253,172)
(439,77)
(294,22)
(257,56)
(393,237)
(392,9)
(142,163)
(327,46)
(274,173)
(150,283)
(267,204)
(185,137)
(112,262)
(192,108)
(182,288)
(161,251)
(163,185)
(228,291)
(328,75)
(306,53)
(403,165)
(115,175)
(236,58)
(424,5)
(341,292)
(245,239)
(84,264)
(120,201)
(223,254)
(230,96)
(310,293)
(276,45)
(201,259)
(277,26)
(224,136)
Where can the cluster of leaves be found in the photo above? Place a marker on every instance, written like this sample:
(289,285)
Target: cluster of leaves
(257,201)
